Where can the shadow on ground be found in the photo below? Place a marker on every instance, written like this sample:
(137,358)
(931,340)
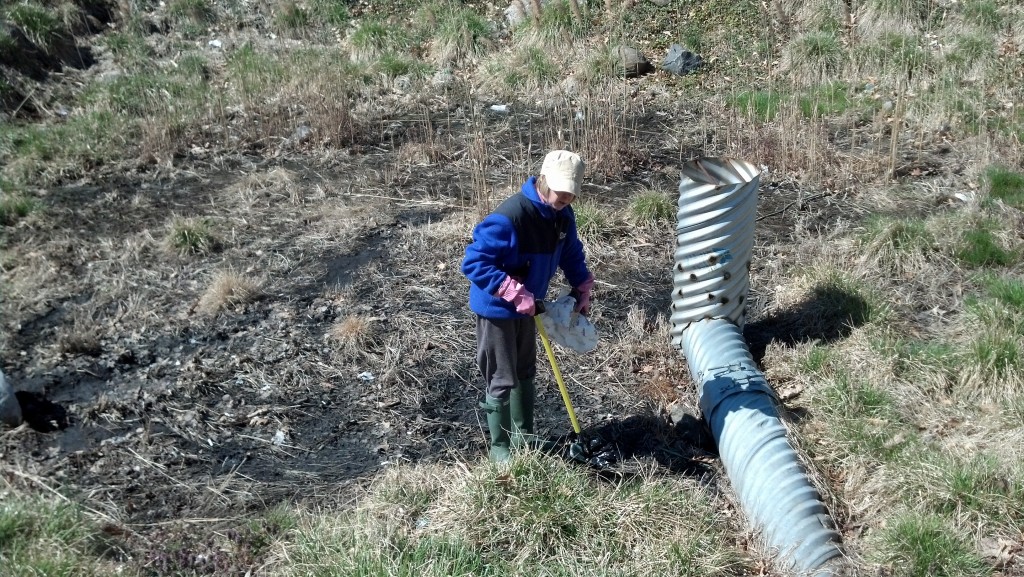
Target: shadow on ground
(828,315)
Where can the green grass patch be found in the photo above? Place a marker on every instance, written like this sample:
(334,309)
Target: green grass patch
(393,65)
(818,54)
(129,50)
(1007,186)
(39,24)
(831,98)
(592,220)
(557,23)
(652,207)
(817,359)
(48,538)
(1007,290)
(254,73)
(971,48)
(452,31)
(914,358)
(14,207)
(980,487)
(292,17)
(865,420)
(898,234)
(984,13)
(761,105)
(196,11)
(979,247)
(538,516)
(191,236)
(926,546)
(333,13)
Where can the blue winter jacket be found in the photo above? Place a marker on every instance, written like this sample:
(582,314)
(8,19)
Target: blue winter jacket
(527,240)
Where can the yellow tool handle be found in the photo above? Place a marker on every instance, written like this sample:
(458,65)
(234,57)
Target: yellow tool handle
(558,374)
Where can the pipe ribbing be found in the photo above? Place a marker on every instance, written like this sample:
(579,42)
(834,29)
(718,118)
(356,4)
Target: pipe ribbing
(714,239)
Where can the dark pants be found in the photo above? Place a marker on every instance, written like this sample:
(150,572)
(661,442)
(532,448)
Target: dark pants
(506,353)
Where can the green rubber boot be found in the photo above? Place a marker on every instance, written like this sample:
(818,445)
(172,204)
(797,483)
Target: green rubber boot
(521,403)
(499,423)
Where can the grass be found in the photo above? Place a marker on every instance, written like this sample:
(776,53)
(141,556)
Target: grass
(926,546)
(1006,186)
(980,247)
(865,420)
(39,24)
(761,105)
(592,220)
(828,99)
(191,236)
(44,537)
(14,207)
(540,516)
(652,208)
(228,289)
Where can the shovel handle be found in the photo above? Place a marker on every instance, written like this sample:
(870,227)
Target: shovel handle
(558,374)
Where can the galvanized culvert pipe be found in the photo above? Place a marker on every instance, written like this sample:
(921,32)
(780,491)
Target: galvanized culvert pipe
(714,241)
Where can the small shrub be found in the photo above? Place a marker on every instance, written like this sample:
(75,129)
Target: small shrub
(190,236)
(652,208)
(1007,186)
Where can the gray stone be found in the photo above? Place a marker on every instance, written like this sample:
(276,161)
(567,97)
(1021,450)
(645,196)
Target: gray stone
(10,410)
(631,61)
(681,61)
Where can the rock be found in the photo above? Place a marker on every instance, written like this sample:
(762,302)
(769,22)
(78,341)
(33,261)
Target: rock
(631,62)
(681,61)
(10,409)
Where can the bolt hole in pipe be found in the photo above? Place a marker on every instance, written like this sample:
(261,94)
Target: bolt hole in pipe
(716,218)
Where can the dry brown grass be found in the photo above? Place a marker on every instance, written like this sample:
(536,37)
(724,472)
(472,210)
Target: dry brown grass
(226,290)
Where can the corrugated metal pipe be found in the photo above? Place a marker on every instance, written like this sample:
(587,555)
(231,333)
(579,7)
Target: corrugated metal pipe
(714,241)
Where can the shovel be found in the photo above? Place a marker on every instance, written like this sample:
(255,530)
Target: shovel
(577,450)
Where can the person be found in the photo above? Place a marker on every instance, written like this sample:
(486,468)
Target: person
(515,254)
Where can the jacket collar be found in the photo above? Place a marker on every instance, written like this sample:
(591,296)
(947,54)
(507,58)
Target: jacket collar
(530,191)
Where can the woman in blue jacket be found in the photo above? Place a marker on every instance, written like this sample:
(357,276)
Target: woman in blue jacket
(516,251)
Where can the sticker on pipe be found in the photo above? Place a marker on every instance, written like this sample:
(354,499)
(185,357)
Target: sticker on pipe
(568,328)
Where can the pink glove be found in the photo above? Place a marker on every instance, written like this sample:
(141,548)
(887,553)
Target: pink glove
(514,292)
(583,300)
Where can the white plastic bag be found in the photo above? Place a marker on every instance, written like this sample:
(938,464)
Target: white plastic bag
(567,328)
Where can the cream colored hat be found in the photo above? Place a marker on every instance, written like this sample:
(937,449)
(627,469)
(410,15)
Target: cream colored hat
(563,171)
